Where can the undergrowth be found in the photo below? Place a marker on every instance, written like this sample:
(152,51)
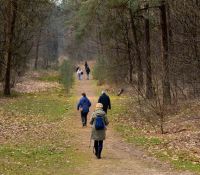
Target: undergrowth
(35,134)
(155,145)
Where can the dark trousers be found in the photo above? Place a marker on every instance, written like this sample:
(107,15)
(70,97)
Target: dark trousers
(98,146)
(84,118)
(105,110)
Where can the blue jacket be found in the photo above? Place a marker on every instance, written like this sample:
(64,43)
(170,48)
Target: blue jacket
(84,103)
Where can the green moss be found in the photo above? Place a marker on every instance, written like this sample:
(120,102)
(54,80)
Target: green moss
(180,160)
(45,146)
(14,94)
(144,141)
(187,165)
(39,160)
(123,128)
(51,105)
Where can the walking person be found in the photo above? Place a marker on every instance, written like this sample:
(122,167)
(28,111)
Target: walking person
(88,72)
(79,73)
(99,122)
(86,65)
(77,68)
(105,100)
(84,105)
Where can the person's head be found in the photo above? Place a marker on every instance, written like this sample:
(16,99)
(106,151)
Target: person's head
(103,92)
(99,106)
(83,94)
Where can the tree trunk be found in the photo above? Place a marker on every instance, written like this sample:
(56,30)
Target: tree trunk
(138,54)
(37,49)
(10,27)
(173,71)
(130,62)
(149,85)
(128,44)
(165,56)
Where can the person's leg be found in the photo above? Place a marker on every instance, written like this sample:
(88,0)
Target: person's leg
(96,147)
(79,76)
(100,147)
(105,110)
(86,118)
(82,118)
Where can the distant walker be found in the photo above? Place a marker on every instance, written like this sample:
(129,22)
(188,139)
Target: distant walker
(105,100)
(84,105)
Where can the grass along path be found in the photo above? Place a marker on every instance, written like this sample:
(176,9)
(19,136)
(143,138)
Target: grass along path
(35,135)
(119,157)
(41,133)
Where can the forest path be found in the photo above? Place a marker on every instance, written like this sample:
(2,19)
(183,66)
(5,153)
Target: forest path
(118,157)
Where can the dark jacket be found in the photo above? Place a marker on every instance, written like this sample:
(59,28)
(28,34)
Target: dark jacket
(84,104)
(87,70)
(105,101)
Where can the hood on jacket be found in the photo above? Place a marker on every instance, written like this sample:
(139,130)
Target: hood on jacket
(100,112)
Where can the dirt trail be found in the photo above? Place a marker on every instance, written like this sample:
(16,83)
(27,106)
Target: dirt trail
(118,157)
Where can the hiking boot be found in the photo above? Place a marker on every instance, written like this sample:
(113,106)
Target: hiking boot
(98,156)
(95,151)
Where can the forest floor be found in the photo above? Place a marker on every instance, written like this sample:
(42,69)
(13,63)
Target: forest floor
(41,133)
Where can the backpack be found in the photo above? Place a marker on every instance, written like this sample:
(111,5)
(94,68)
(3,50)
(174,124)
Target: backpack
(99,124)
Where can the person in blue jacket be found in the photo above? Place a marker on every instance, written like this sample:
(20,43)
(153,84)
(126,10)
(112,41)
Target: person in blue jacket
(84,105)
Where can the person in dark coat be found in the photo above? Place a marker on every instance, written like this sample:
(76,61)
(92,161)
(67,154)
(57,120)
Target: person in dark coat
(105,100)
(84,105)
(88,72)
(86,65)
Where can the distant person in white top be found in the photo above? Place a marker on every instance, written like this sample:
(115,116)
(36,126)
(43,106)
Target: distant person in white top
(79,73)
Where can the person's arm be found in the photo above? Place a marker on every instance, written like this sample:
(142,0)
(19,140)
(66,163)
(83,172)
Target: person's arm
(79,104)
(92,119)
(106,120)
(89,103)
(99,100)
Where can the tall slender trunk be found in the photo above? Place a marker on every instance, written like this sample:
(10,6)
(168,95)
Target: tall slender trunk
(37,49)
(128,45)
(130,61)
(130,67)
(165,56)
(138,53)
(171,53)
(149,85)
(10,27)
(195,36)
